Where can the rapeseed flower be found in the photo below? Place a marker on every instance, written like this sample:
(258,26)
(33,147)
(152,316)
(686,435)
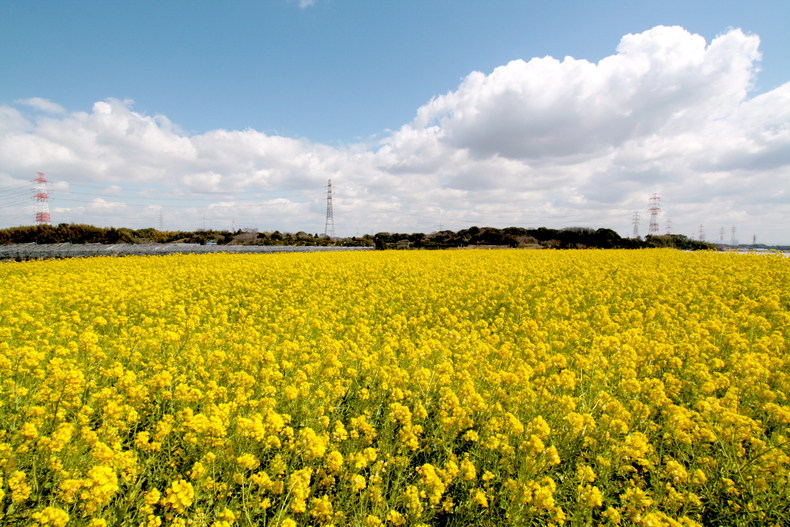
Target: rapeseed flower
(179,496)
(555,387)
(51,516)
(17,483)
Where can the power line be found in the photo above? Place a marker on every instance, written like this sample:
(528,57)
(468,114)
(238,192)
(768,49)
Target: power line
(25,186)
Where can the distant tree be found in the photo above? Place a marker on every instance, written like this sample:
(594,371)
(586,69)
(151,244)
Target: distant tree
(606,239)
(381,239)
(677,241)
(416,239)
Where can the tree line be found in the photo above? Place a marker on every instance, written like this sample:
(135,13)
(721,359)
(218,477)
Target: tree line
(83,234)
(542,237)
(516,237)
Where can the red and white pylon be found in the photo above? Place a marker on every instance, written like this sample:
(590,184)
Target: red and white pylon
(42,200)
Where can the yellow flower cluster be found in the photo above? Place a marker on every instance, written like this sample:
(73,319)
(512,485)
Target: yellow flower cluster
(51,516)
(396,389)
(179,496)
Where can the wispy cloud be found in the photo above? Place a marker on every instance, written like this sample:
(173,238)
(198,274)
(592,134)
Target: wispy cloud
(41,104)
(304,4)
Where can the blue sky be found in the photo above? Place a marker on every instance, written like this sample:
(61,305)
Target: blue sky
(332,89)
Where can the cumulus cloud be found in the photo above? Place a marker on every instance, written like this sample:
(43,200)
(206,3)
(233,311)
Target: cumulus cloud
(543,141)
(662,79)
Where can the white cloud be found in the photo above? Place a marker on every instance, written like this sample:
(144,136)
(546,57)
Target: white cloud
(664,79)
(536,142)
(102,206)
(43,105)
(208,182)
(12,120)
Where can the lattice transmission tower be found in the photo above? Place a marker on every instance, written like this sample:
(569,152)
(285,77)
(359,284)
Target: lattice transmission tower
(635,221)
(329,225)
(654,208)
(42,200)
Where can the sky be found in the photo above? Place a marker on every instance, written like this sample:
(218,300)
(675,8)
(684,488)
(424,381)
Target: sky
(424,114)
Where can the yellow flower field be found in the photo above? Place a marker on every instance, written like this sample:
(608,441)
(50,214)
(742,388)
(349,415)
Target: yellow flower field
(396,388)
